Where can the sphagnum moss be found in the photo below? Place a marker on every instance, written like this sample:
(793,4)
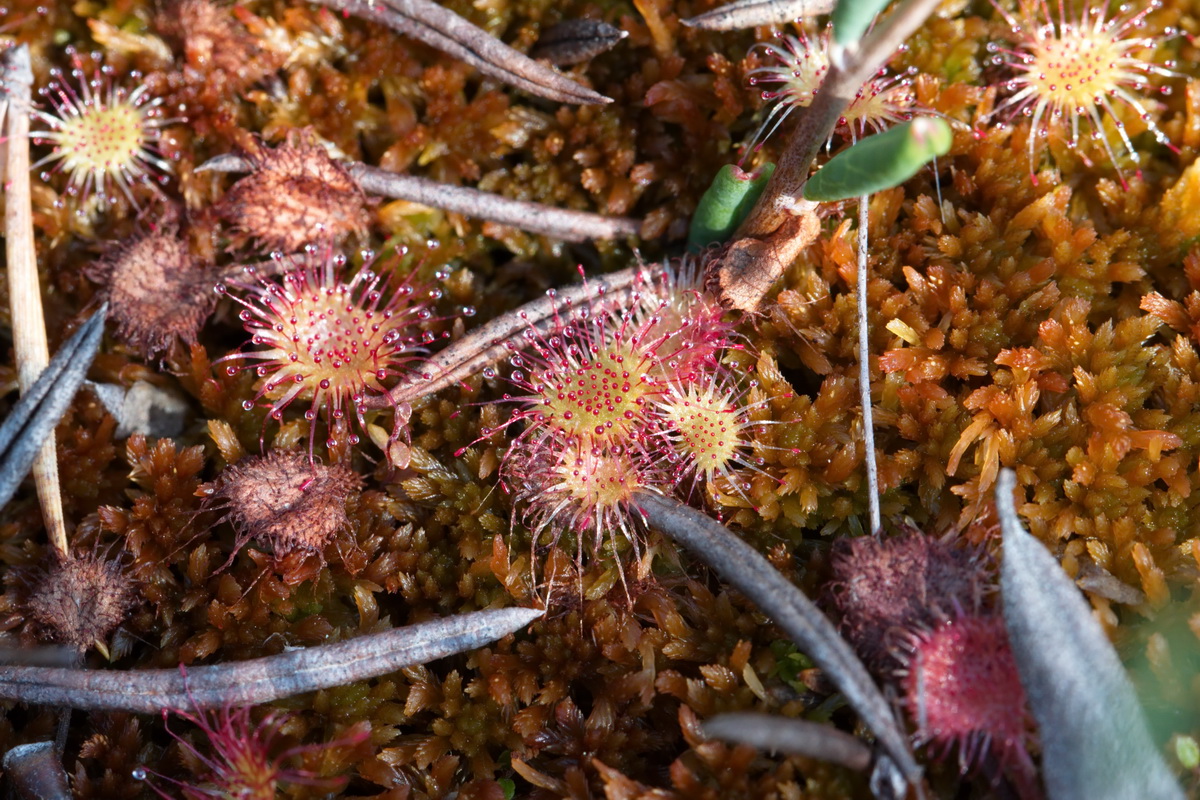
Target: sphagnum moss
(1044,326)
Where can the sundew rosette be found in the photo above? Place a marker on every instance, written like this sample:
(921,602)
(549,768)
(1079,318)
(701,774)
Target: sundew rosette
(594,374)
(564,484)
(632,398)
(103,135)
(793,70)
(1069,70)
(706,435)
(327,341)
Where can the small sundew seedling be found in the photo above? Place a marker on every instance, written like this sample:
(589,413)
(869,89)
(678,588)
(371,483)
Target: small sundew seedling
(1072,69)
(707,434)
(797,66)
(103,136)
(247,760)
(328,341)
(567,485)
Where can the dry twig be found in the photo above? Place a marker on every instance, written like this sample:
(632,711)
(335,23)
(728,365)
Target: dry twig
(24,289)
(439,27)
(261,680)
(792,736)
(569,226)
(752,13)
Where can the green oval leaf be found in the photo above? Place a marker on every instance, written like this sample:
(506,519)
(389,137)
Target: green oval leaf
(880,162)
(851,18)
(725,204)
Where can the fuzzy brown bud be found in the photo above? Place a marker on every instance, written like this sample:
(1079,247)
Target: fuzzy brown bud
(296,194)
(221,56)
(893,586)
(156,290)
(81,600)
(283,501)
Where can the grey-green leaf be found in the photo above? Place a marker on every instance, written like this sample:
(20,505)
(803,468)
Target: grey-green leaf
(725,204)
(852,18)
(880,162)
(1095,744)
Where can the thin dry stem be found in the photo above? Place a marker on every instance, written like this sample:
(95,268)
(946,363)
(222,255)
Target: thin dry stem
(262,680)
(864,365)
(792,736)
(24,289)
(439,27)
(558,223)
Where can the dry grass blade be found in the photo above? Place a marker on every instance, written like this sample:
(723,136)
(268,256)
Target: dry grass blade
(751,574)
(752,13)
(24,288)
(494,340)
(439,27)
(262,680)
(792,736)
(36,414)
(558,223)
(1095,743)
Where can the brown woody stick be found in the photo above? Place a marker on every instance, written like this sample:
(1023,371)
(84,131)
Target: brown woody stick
(439,27)
(262,680)
(558,223)
(24,288)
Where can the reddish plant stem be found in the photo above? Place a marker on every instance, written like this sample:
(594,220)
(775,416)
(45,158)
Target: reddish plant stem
(770,237)
(494,340)
(261,680)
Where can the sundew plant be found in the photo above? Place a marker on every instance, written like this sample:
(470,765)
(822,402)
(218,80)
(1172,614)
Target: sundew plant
(557,361)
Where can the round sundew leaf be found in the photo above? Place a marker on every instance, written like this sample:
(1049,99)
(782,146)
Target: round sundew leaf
(851,18)
(725,204)
(881,161)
